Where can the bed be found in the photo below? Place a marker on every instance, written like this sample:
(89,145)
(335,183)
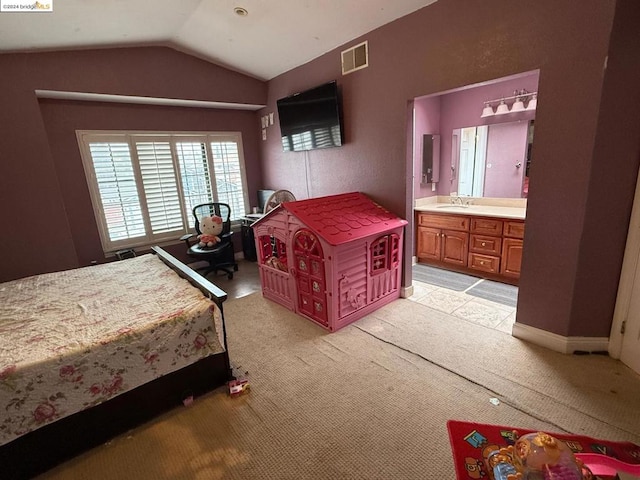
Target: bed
(89,353)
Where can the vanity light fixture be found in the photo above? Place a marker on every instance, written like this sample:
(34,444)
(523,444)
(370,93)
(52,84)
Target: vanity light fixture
(533,103)
(519,97)
(518,105)
(487,111)
(502,108)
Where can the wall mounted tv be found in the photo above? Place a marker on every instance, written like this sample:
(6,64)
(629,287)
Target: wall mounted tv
(311,119)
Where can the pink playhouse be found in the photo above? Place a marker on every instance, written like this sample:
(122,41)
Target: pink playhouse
(330,259)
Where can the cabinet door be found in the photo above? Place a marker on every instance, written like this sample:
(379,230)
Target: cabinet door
(429,243)
(511,257)
(455,246)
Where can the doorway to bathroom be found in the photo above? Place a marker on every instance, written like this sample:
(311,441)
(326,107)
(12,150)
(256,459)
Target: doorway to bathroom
(483,159)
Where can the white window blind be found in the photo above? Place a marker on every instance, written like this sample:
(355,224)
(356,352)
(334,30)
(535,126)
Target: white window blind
(160,187)
(226,163)
(194,169)
(116,185)
(144,186)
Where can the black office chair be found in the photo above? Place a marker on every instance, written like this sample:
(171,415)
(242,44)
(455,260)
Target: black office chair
(221,255)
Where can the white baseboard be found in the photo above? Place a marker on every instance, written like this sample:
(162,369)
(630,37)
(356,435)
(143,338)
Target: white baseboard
(406,292)
(558,343)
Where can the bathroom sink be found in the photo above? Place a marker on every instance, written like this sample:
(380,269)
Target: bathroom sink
(446,205)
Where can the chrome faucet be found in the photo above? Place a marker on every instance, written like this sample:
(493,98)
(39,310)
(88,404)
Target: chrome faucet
(458,200)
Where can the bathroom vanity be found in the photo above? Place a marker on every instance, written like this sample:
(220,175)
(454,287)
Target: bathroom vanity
(485,240)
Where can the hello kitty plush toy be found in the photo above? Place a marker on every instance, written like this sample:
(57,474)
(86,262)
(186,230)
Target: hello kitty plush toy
(211,227)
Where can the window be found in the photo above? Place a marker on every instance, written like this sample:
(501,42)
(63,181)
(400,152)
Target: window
(144,185)
(385,253)
(273,252)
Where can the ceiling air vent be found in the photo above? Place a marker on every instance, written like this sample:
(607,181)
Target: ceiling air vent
(355,58)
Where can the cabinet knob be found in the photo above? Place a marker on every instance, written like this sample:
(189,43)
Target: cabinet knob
(481,262)
(484,244)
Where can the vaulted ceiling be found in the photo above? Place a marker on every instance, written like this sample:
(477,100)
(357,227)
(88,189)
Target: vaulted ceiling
(271,38)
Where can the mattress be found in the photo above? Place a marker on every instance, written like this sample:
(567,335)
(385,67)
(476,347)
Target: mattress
(74,339)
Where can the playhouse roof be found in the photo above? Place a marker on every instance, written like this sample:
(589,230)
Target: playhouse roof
(343,218)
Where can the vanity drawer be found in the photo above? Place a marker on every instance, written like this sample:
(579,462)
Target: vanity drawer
(485,244)
(513,229)
(449,222)
(484,263)
(486,226)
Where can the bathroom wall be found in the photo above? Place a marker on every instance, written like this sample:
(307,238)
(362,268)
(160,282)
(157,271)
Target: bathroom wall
(462,108)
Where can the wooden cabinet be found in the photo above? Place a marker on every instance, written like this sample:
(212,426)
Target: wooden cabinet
(454,246)
(511,257)
(428,243)
(513,229)
(512,249)
(443,238)
(489,247)
(485,245)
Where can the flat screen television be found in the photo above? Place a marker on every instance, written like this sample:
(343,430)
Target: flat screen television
(311,119)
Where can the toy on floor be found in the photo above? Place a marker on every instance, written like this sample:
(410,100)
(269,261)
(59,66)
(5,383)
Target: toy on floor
(238,387)
(500,463)
(239,384)
(537,456)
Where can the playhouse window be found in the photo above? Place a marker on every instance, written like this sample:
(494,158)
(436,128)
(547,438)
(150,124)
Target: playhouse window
(273,252)
(385,253)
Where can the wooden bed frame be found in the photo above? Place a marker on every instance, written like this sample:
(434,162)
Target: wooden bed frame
(48,446)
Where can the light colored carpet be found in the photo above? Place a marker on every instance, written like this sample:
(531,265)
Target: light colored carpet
(352,405)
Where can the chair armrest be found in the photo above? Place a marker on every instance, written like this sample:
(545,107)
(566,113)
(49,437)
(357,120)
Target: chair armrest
(185,239)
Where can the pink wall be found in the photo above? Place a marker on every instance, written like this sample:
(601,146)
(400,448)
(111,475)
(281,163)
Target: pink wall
(586,152)
(451,44)
(506,148)
(41,176)
(427,121)
(63,118)
(463,109)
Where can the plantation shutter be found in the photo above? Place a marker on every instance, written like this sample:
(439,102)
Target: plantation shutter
(196,180)
(144,186)
(160,186)
(116,182)
(229,181)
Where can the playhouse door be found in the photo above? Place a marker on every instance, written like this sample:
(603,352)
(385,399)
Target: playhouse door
(309,274)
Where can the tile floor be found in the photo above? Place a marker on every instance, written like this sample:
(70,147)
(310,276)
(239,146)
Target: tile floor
(457,303)
(467,307)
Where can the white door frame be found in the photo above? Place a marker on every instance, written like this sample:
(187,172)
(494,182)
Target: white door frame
(629,278)
(466,163)
(480,164)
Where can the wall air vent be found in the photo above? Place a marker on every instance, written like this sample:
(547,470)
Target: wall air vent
(355,58)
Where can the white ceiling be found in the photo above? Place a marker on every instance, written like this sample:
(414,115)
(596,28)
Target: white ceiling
(273,38)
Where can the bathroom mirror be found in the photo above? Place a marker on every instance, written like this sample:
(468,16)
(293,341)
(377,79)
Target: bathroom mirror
(492,160)
(430,152)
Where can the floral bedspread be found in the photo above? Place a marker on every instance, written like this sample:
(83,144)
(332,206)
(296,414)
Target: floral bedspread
(70,340)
